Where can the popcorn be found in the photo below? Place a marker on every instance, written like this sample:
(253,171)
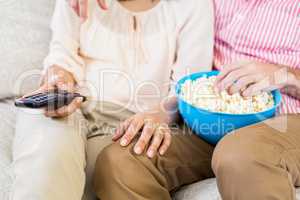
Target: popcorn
(200,93)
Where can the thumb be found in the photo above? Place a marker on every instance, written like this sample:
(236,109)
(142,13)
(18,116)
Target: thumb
(42,89)
(68,86)
(59,81)
(102,4)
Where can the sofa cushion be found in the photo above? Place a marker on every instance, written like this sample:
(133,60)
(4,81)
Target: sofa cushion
(24,39)
(204,190)
(7,124)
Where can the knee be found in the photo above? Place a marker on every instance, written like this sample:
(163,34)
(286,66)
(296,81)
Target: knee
(52,146)
(234,156)
(115,166)
(112,162)
(112,155)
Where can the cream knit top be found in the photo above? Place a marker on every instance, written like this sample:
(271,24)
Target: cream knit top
(133,58)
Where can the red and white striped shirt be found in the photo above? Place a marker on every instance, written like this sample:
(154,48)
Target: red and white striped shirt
(260,30)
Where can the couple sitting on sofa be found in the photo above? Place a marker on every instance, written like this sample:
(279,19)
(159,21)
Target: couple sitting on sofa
(128,55)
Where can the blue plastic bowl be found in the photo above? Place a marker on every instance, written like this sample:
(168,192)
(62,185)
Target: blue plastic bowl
(212,126)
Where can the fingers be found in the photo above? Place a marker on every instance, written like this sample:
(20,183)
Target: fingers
(74,5)
(263,85)
(62,85)
(83,9)
(121,129)
(40,90)
(166,142)
(57,77)
(80,7)
(225,71)
(102,4)
(242,83)
(147,133)
(133,129)
(155,135)
(231,78)
(66,110)
(156,142)
(231,67)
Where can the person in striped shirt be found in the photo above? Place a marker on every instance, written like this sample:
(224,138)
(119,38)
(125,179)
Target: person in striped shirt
(257,48)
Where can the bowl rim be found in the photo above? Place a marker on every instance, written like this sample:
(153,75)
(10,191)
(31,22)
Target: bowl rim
(215,72)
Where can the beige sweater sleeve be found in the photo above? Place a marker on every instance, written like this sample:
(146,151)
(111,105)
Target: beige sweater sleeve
(64,47)
(195,41)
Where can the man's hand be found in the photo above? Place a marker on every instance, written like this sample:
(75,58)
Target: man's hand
(81,7)
(58,78)
(155,133)
(250,78)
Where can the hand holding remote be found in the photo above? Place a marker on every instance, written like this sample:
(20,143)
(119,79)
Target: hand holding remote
(57,78)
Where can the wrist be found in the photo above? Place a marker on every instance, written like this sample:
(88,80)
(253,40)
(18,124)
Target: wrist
(167,110)
(170,110)
(164,115)
(284,77)
(293,78)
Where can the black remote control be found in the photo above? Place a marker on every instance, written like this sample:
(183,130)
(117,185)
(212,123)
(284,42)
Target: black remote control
(51,99)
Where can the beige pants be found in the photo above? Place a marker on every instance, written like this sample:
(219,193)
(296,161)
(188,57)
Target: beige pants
(49,155)
(256,163)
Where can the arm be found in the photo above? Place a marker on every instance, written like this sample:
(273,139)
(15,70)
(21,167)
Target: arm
(64,68)
(194,54)
(64,46)
(196,40)
(195,49)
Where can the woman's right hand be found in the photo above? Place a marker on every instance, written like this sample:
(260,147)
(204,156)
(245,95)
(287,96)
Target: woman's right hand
(81,7)
(58,78)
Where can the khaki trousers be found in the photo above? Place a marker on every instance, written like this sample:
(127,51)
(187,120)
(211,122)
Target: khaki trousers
(49,155)
(259,162)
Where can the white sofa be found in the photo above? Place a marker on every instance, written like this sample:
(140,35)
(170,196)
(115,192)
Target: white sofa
(24,38)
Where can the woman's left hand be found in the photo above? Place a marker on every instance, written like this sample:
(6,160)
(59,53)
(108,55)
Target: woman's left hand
(155,133)
(250,78)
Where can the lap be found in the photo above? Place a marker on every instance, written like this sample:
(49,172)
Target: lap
(48,151)
(37,133)
(275,142)
(187,160)
(281,131)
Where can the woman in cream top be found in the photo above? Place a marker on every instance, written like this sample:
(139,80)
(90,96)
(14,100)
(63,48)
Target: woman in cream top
(133,58)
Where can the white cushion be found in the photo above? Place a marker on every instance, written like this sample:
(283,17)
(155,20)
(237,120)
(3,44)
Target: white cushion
(24,40)
(204,190)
